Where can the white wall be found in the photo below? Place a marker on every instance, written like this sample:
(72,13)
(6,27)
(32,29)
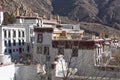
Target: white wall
(34,21)
(7,72)
(47,40)
(5,59)
(27,72)
(84,63)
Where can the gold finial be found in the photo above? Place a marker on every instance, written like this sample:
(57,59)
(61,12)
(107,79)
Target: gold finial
(44,17)
(17,12)
(26,12)
(102,35)
(58,19)
(51,17)
(36,14)
(30,14)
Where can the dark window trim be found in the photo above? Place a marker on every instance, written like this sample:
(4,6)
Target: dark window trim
(75,52)
(40,38)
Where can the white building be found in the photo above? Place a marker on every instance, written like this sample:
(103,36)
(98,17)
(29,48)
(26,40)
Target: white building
(13,40)
(29,20)
(86,55)
(7,71)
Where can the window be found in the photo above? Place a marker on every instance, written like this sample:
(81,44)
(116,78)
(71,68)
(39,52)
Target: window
(9,34)
(10,51)
(20,50)
(5,43)
(46,50)
(23,34)
(61,50)
(19,35)
(23,42)
(19,42)
(5,50)
(13,50)
(9,43)
(14,33)
(14,43)
(39,38)
(47,58)
(39,50)
(5,33)
(75,52)
(28,48)
(16,49)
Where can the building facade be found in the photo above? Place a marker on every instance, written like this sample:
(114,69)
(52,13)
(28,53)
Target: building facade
(87,55)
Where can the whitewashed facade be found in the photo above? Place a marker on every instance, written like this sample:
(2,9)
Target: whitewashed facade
(82,54)
(7,72)
(13,40)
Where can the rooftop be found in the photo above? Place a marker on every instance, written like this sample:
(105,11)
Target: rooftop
(1,65)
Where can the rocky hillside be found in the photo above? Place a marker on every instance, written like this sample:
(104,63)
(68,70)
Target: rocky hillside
(106,12)
(27,6)
(103,12)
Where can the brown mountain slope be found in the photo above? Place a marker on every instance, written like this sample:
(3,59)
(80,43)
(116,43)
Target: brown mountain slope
(27,6)
(105,12)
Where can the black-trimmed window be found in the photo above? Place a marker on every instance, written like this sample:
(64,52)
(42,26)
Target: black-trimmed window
(39,50)
(9,34)
(14,33)
(16,49)
(23,42)
(9,43)
(46,50)
(61,50)
(19,42)
(14,42)
(10,51)
(5,50)
(47,58)
(20,50)
(5,43)
(5,33)
(23,34)
(19,34)
(13,50)
(40,38)
(74,52)
(28,49)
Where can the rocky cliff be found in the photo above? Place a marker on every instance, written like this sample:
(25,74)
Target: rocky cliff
(103,12)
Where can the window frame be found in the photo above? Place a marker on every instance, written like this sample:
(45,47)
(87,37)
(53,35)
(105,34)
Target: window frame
(46,50)
(39,49)
(75,51)
(61,50)
(14,33)
(39,38)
